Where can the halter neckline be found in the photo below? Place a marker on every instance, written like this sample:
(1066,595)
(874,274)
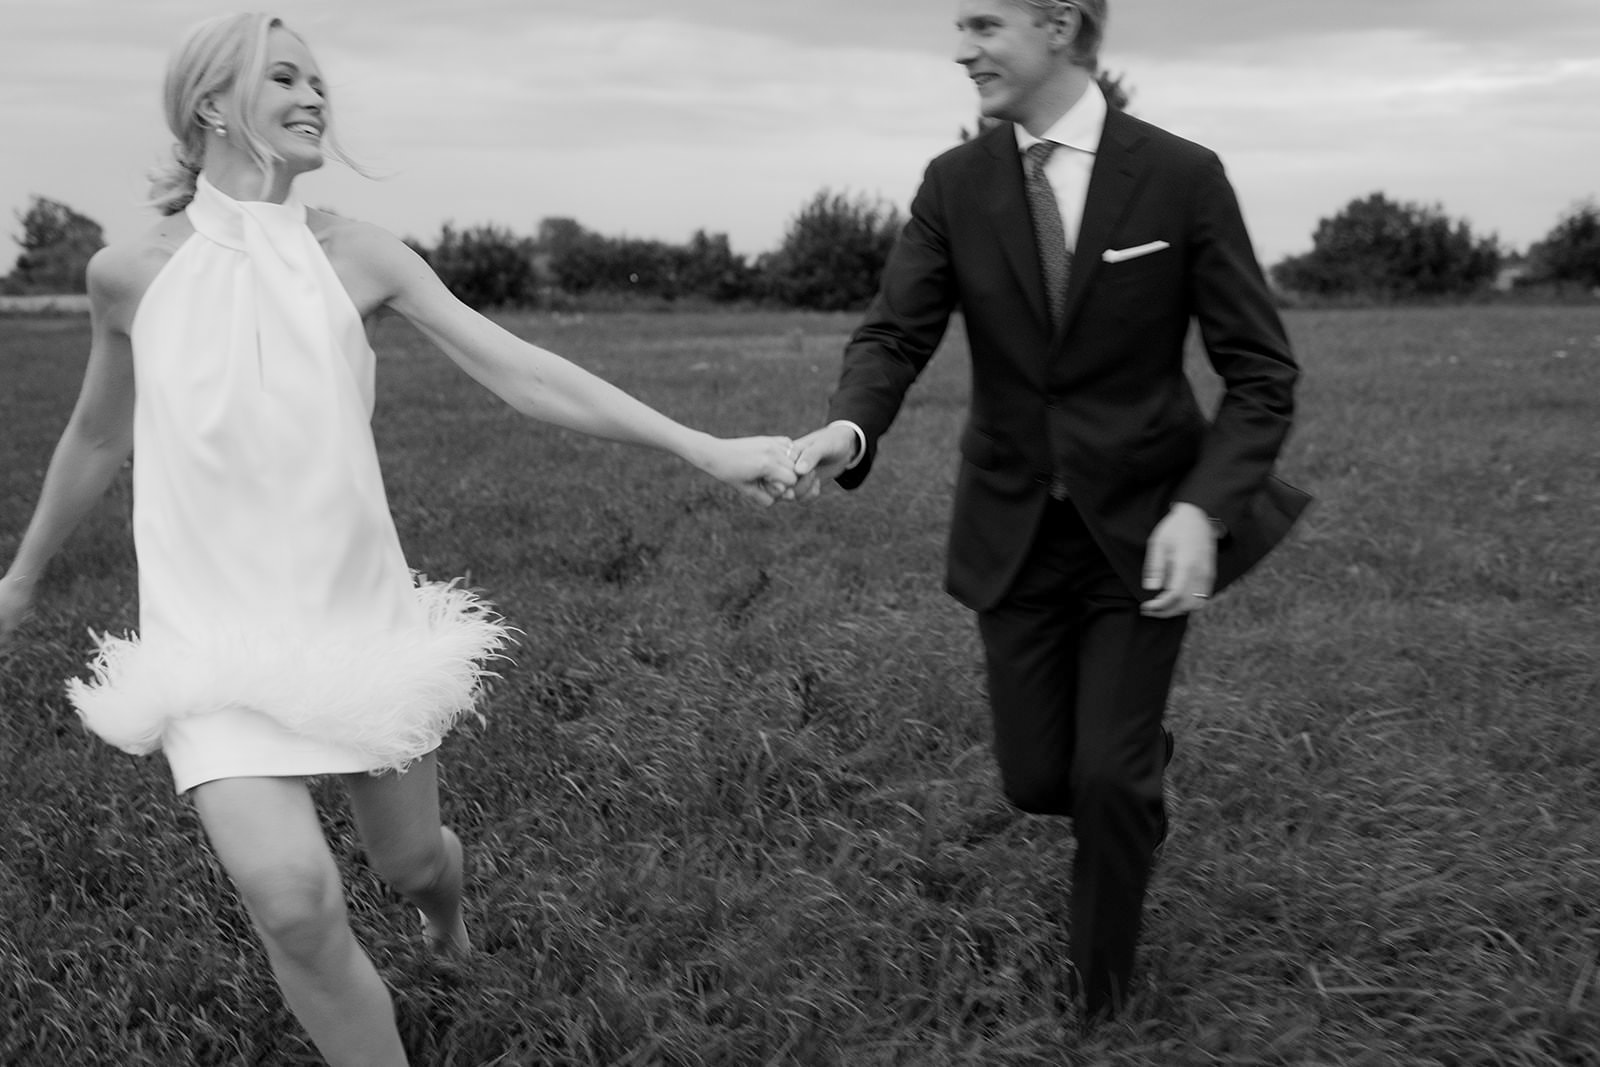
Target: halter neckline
(221,218)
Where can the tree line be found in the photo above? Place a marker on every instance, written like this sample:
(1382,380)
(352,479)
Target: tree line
(829,259)
(834,248)
(1380,249)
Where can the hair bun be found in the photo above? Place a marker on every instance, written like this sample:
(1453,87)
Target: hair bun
(172,186)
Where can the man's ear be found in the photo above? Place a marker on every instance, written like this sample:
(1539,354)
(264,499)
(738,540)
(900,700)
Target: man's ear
(1065,22)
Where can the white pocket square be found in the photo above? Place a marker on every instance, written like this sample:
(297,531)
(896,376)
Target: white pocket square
(1117,255)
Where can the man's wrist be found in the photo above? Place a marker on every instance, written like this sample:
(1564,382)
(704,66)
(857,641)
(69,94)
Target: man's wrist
(859,441)
(1219,529)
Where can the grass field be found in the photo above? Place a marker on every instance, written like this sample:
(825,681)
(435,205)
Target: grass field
(732,803)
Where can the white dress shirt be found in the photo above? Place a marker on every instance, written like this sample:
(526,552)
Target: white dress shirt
(1078,134)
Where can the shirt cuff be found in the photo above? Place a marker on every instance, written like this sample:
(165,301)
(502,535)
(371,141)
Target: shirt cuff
(861,441)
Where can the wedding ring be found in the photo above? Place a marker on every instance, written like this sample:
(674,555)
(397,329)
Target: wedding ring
(1201,596)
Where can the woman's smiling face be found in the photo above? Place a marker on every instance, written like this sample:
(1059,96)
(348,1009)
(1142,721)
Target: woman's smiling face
(291,111)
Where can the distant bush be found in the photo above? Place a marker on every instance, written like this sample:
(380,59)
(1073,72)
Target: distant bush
(833,253)
(485,266)
(830,259)
(580,262)
(1119,94)
(1570,252)
(1377,248)
(711,268)
(57,244)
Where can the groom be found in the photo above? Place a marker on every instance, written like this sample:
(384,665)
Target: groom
(1096,505)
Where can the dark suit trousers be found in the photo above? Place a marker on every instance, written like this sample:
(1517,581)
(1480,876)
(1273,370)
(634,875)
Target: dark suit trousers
(1078,682)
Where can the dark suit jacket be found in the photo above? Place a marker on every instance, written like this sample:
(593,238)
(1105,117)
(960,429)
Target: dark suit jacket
(1102,402)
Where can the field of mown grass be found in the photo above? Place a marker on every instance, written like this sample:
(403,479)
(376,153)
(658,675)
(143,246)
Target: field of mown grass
(732,803)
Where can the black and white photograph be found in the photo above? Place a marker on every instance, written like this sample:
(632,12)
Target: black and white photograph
(987,532)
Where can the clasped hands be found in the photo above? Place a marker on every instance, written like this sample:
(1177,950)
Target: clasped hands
(769,469)
(1180,555)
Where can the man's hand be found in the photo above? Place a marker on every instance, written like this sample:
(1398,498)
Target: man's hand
(822,455)
(1180,561)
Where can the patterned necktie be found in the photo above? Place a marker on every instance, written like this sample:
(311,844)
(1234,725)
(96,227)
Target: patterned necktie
(1054,256)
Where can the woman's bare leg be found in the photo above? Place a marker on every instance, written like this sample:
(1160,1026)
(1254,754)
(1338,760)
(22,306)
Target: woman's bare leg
(397,816)
(267,835)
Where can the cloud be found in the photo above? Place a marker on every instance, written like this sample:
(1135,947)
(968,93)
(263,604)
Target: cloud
(1202,28)
(653,126)
(483,111)
(1490,136)
(658,118)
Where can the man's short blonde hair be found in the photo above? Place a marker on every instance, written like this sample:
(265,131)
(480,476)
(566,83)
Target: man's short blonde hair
(1091,26)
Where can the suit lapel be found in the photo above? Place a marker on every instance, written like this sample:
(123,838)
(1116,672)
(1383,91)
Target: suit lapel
(1005,202)
(1112,182)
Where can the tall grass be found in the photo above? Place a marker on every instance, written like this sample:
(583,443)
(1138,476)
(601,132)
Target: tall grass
(733,803)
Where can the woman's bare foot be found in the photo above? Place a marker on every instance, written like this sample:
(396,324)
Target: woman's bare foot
(447,934)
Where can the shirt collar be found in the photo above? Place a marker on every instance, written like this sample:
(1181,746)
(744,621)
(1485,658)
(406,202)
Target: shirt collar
(1079,128)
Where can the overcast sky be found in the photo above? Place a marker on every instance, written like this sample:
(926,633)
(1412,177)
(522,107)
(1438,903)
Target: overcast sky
(654,119)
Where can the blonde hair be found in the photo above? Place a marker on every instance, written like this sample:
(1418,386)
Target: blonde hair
(219,54)
(1091,26)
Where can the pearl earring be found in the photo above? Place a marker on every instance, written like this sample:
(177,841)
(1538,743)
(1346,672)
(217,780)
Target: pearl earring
(222,131)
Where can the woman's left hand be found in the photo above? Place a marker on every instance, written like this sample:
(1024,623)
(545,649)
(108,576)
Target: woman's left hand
(761,468)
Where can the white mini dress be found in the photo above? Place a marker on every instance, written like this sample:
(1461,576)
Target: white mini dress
(281,631)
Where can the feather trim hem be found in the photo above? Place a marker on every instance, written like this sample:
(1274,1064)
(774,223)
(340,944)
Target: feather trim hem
(392,697)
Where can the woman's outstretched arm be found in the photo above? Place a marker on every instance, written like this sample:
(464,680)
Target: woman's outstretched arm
(94,446)
(547,387)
